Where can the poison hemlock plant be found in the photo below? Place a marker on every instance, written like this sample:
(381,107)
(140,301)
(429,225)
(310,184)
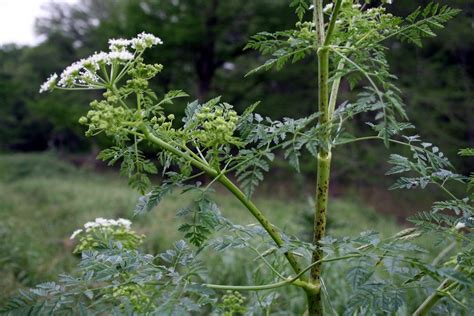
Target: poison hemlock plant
(377,275)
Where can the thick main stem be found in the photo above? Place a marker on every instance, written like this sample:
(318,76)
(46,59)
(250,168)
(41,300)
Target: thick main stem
(322,187)
(322,191)
(318,20)
(323,39)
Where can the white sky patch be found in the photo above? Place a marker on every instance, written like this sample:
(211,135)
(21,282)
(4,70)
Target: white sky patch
(17,20)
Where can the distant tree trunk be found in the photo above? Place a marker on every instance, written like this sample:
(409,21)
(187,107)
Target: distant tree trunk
(205,63)
(205,76)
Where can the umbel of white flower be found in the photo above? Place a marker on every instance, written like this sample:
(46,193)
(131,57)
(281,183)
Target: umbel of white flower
(102,222)
(93,72)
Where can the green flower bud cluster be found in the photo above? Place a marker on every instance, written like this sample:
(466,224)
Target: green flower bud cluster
(137,84)
(359,23)
(140,73)
(104,116)
(216,125)
(165,123)
(111,97)
(233,302)
(146,71)
(347,2)
(106,237)
(305,32)
(135,294)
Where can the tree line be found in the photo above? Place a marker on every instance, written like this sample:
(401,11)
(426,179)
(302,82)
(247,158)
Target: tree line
(203,47)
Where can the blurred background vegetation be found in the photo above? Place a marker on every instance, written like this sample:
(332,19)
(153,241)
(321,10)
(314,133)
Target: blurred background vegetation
(203,55)
(43,196)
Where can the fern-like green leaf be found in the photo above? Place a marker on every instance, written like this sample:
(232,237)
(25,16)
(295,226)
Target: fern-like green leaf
(203,218)
(422,22)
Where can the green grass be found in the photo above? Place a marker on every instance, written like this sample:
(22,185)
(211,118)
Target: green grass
(42,200)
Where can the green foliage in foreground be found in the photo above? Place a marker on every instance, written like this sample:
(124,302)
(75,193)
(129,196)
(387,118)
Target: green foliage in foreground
(43,202)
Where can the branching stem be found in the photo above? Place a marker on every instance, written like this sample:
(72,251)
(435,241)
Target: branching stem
(332,22)
(431,300)
(335,86)
(274,233)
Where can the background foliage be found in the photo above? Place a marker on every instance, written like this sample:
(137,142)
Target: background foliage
(203,51)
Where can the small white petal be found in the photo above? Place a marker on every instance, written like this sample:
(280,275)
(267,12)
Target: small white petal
(89,225)
(460,225)
(119,44)
(75,233)
(112,222)
(68,76)
(120,56)
(124,222)
(145,40)
(328,7)
(49,84)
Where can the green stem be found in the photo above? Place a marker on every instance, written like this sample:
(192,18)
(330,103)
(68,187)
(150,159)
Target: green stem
(126,67)
(274,234)
(335,86)
(104,72)
(114,89)
(431,300)
(139,103)
(335,89)
(164,145)
(268,264)
(315,306)
(294,280)
(61,88)
(381,138)
(332,22)
(322,194)
(323,87)
(255,287)
(318,19)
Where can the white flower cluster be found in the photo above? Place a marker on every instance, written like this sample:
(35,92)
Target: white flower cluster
(118,45)
(141,42)
(328,7)
(83,73)
(145,40)
(102,222)
(49,84)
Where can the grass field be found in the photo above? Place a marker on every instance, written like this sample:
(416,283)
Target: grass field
(42,200)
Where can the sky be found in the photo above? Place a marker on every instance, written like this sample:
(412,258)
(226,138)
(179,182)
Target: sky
(17,18)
